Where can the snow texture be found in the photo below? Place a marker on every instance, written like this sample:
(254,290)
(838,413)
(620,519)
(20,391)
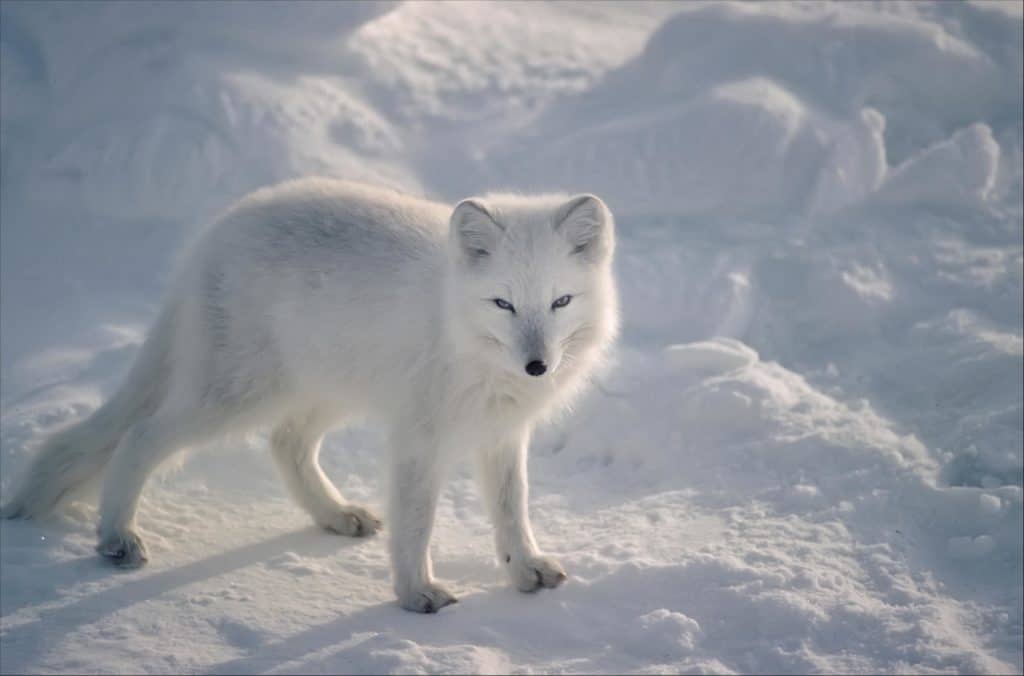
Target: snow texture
(807,456)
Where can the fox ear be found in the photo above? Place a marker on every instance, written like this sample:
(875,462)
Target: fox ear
(473,230)
(587,223)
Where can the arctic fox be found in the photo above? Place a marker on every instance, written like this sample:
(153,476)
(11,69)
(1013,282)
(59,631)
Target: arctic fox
(316,302)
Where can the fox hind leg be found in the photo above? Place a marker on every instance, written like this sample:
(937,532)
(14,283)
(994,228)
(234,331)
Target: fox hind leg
(142,448)
(295,445)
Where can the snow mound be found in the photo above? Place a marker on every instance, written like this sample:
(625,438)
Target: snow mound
(838,59)
(710,357)
(750,139)
(697,124)
(720,406)
(960,171)
(420,62)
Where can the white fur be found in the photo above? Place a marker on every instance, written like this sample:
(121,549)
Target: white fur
(316,302)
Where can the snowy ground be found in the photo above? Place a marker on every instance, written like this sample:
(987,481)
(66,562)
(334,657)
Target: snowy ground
(808,457)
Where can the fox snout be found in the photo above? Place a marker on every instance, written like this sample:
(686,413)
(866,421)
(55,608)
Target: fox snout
(534,348)
(536,367)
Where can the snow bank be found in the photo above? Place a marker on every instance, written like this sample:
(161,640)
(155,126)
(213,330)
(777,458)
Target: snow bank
(698,124)
(960,171)
(743,147)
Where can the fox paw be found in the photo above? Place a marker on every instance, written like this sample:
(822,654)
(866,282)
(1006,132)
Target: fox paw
(351,520)
(124,549)
(429,598)
(534,572)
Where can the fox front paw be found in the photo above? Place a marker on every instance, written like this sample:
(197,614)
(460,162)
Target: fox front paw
(351,520)
(428,598)
(531,573)
(124,549)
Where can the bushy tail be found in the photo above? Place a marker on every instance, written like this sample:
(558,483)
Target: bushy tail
(71,457)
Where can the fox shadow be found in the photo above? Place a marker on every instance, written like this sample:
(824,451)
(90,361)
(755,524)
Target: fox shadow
(35,637)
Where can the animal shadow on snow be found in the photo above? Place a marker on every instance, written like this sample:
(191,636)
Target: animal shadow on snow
(130,588)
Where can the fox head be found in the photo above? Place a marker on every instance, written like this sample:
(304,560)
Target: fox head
(531,290)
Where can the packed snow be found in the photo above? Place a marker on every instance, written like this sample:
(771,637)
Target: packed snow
(806,455)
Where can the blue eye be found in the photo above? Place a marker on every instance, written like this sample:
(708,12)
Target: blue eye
(505,305)
(561,302)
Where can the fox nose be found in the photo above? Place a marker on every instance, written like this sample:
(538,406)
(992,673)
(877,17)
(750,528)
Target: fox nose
(536,367)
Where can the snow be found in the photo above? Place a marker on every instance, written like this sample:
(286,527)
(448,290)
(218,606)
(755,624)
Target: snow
(807,454)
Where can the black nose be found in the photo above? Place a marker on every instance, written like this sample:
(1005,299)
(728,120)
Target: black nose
(536,367)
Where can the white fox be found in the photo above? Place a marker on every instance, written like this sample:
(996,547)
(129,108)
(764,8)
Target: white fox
(317,302)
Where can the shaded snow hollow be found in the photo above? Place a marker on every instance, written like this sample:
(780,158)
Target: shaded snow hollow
(807,454)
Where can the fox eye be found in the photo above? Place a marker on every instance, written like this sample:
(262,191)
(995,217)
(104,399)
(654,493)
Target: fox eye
(505,305)
(561,302)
